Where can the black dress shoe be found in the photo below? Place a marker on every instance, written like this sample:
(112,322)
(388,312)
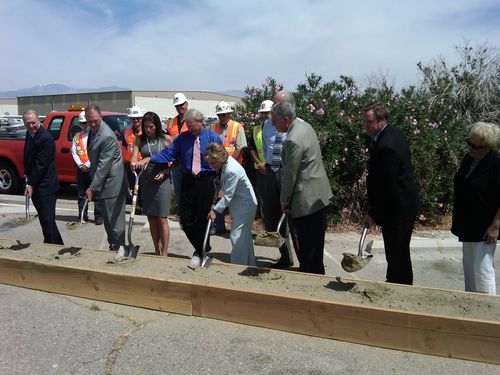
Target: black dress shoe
(281,264)
(98,221)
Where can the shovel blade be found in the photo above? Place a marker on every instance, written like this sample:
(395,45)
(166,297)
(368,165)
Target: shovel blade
(133,250)
(269,239)
(206,261)
(353,263)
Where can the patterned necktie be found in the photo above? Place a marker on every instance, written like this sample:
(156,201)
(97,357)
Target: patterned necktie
(196,164)
(276,159)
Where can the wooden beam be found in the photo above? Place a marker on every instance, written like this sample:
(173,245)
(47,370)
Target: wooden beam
(402,330)
(453,337)
(149,293)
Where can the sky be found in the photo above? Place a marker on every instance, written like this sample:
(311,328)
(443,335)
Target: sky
(220,45)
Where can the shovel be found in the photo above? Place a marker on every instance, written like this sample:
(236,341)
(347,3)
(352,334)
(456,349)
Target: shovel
(132,250)
(73,225)
(271,239)
(205,259)
(353,263)
(27,219)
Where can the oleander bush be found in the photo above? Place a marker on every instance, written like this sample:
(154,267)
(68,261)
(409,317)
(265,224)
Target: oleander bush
(434,115)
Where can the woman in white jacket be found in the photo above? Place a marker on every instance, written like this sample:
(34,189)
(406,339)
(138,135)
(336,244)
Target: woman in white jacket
(236,193)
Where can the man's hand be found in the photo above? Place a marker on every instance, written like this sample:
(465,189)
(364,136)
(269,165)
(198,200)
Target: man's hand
(211,215)
(88,194)
(28,190)
(369,221)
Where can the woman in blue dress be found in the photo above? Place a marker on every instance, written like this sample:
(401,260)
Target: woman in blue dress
(236,193)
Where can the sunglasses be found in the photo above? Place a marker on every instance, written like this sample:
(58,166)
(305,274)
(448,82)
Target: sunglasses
(473,146)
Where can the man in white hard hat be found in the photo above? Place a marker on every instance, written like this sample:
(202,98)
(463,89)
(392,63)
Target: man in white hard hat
(129,135)
(83,180)
(174,127)
(233,139)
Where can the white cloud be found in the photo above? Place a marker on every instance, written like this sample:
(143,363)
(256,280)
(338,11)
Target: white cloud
(218,45)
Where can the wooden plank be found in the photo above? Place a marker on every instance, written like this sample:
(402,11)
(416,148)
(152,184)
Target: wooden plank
(423,333)
(428,334)
(102,286)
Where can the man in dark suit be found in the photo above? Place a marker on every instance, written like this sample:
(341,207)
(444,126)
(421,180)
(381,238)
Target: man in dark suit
(392,192)
(108,177)
(42,184)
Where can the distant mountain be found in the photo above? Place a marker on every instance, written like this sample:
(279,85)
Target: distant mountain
(54,88)
(239,93)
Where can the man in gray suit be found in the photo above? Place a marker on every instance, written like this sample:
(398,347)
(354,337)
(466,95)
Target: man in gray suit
(305,189)
(108,177)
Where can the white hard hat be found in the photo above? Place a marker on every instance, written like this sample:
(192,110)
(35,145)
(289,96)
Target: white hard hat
(266,106)
(223,107)
(81,117)
(179,99)
(135,112)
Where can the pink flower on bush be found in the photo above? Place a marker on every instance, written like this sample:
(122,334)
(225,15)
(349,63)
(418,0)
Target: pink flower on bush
(416,131)
(320,111)
(310,107)
(346,211)
(422,217)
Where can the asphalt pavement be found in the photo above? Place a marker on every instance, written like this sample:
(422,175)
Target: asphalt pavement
(45,333)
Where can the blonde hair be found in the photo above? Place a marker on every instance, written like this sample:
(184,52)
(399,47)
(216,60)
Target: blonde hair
(215,152)
(488,133)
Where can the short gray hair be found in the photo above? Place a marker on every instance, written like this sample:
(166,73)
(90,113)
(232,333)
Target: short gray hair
(284,109)
(285,96)
(487,132)
(30,112)
(195,114)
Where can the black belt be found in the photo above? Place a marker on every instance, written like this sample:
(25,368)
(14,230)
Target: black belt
(201,174)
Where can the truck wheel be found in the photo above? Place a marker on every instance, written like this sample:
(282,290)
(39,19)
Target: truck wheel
(9,181)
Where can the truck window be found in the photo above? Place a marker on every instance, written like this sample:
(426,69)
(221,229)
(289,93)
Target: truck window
(55,125)
(74,128)
(117,123)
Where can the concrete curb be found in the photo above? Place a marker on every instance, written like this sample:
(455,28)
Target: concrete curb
(417,244)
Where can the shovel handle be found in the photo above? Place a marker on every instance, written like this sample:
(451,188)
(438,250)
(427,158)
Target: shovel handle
(205,239)
(83,211)
(27,207)
(362,239)
(280,223)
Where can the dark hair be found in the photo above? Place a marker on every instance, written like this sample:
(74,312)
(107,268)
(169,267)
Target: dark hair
(379,110)
(155,119)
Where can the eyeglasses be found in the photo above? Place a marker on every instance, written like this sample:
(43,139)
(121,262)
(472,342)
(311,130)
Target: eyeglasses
(473,146)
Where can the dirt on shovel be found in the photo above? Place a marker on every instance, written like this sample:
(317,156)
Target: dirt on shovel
(352,262)
(270,239)
(75,224)
(28,218)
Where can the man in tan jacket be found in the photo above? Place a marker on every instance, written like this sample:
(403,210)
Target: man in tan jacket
(305,189)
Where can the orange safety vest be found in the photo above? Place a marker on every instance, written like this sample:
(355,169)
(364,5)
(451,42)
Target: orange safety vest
(231,137)
(129,137)
(173,126)
(81,149)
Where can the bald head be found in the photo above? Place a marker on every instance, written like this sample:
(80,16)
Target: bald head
(285,96)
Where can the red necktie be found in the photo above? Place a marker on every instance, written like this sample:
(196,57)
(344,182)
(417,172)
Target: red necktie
(196,165)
